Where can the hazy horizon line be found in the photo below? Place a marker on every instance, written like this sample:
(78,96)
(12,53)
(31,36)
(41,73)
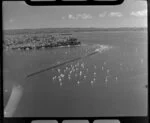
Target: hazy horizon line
(72,28)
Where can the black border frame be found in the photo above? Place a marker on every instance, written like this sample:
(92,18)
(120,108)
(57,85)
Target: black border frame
(122,119)
(61,2)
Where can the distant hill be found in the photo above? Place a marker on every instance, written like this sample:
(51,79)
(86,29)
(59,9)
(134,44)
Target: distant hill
(66,30)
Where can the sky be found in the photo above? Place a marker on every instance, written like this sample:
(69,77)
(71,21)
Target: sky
(19,15)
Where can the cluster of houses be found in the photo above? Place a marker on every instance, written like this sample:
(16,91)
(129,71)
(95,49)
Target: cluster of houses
(38,41)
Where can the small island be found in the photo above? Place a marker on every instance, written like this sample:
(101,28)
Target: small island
(40,40)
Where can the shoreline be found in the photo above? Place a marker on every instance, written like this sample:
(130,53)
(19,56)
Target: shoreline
(41,47)
(63,46)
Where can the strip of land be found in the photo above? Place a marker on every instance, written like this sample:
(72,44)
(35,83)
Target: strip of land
(30,41)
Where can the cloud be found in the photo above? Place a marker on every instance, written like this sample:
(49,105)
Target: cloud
(102,14)
(115,14)
(82,16)
(70,16)
(139,13)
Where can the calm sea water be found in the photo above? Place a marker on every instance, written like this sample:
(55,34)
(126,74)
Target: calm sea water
(110,83)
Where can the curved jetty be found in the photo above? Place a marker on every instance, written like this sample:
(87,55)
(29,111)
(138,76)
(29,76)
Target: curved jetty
(99,49)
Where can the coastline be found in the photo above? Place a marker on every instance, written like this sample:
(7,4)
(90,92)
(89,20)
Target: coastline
(35,39)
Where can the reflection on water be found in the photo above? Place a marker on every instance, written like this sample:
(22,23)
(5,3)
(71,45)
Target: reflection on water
(109,83)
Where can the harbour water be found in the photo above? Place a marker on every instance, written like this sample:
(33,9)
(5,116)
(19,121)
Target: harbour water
(109,83)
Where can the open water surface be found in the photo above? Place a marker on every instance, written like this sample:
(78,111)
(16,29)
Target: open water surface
(109,83)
